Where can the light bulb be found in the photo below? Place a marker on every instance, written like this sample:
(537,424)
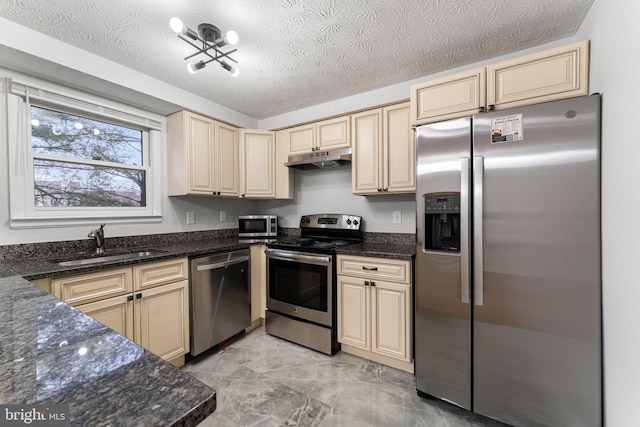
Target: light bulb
(235,72)
(176,24)
(231,37)
(193,67)
(78,125)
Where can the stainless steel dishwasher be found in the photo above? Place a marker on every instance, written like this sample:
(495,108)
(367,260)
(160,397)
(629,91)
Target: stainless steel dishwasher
(220,298)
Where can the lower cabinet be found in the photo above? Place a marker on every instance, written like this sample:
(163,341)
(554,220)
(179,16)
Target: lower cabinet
(258,284)
(153,310)
(375,309)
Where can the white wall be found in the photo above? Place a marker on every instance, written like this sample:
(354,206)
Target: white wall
(329,191)
(612,26)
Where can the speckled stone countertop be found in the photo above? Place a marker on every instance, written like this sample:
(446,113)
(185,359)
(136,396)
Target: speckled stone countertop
(42,265)
(51,353)
(380,250)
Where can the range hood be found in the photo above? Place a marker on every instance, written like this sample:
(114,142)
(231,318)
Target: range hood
(320,159)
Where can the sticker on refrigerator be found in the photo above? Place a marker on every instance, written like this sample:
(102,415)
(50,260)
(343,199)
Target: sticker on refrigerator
(506,129)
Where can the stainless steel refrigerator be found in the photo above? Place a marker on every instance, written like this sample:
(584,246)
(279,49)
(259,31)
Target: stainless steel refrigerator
(508,264)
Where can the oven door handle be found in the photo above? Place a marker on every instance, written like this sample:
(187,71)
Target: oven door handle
(294,256)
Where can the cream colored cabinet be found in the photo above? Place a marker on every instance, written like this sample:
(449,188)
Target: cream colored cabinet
(324,135)
(383,151)
(258,284)
(374,309)
(147,303)
(202,156)
(540,77)
(284,174)
(448,97)
(258,153)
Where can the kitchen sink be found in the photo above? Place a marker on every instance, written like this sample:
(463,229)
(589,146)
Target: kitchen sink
(100,259)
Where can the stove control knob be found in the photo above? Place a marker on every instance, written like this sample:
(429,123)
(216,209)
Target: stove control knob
(348,221)
(355,222)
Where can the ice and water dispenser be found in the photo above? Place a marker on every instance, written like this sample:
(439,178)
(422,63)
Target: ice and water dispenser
(442,222)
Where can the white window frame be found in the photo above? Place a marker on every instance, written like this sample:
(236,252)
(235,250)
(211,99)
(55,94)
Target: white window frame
(23,213)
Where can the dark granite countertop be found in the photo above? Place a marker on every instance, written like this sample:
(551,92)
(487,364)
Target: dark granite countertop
(33,268)
(51,353)
(381,250)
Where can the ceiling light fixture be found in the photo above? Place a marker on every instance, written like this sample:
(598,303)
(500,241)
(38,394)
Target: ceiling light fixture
(212,40)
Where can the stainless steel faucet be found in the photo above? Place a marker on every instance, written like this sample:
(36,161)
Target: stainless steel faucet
(98,235)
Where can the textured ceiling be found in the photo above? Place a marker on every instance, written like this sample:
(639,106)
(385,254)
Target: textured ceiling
(297,53)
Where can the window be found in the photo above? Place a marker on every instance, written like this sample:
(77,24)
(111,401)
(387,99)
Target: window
(77,162)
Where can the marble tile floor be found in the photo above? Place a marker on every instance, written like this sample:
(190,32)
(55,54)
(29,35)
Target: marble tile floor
(262,380)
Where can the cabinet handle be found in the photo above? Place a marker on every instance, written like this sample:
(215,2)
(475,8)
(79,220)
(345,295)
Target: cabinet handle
(492,107)
(138,296)
(379,189)
(373,283)
(366,283)
(481,110)
(385,189)
(130,298)
(364,267)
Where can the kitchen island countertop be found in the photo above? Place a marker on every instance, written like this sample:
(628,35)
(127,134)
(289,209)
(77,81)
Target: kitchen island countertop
(51,353)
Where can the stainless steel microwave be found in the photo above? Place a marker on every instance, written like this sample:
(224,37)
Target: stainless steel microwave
(257,226)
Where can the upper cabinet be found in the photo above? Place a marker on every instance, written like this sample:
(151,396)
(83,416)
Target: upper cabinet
(202,156)
(324,135)
(453,96)
(258,153)
(383,151)
(544,76)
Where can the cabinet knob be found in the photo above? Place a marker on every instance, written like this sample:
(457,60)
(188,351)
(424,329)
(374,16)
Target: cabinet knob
(481,110)
(373,283)
(130,298)
(492,107)
(379,189)
(385,189)
(138,296)
(366,283)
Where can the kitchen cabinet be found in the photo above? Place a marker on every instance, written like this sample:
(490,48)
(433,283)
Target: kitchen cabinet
(375,309)
(327,134)
(258,284)
(147,303)
(257,168)
(284,174)
(202,156)
(540,77)
(383,151)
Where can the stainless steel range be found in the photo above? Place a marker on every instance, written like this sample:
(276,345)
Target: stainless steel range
(301,280)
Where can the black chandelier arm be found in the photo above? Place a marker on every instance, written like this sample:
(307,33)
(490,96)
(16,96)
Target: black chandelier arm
(205,50)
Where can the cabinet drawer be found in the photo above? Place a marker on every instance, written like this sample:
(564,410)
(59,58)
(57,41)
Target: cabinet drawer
(159,273)
(375,268)
(90,287)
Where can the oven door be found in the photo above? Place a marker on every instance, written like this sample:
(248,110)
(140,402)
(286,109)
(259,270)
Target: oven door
(300,285)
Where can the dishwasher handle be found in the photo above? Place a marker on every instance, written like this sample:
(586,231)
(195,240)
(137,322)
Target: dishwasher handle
(202,267)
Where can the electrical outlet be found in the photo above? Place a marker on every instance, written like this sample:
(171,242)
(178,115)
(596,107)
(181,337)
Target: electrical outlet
(223,216)
(191,218)
(397,217)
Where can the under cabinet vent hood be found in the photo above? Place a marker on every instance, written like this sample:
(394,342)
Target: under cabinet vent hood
(320,159)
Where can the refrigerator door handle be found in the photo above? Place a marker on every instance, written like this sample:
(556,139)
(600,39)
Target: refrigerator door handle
(478,176)
(464,229)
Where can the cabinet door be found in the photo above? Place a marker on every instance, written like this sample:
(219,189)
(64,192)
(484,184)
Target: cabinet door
(453,96)
(227,164)
(302,139)
(258,151)
(201,154)
(162,319)
(367,158)
(540,77)
(116,313)
(354,313)
(399,150)
(284,174)
(391,320)
(333,133)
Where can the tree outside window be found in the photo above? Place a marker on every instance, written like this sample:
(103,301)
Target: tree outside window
(82,162)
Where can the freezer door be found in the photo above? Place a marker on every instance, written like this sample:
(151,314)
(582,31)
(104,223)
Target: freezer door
(537,312)
(442,309)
